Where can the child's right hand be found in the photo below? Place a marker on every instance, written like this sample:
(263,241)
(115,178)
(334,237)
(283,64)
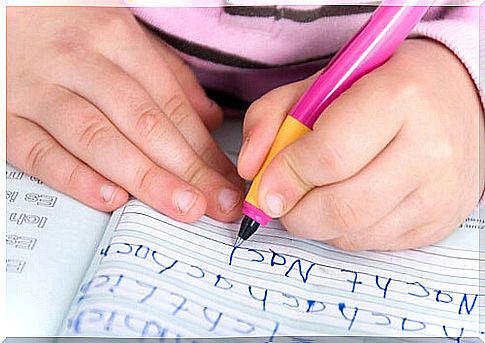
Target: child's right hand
(98,107)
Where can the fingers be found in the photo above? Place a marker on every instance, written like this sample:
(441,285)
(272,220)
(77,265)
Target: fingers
(140,119)
(33,150)
(160,82)
(208,110)
(404,228)
(90,136)
(261,123)
(350,206)
(387,231)
(418,237)
(345,139)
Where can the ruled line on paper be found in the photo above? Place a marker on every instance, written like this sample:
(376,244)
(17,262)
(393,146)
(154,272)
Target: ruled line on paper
(234,280)
(326,250)
(149,253)
(173,243)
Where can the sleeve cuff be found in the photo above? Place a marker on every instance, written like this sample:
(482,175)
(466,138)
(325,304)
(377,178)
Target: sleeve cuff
(460,32)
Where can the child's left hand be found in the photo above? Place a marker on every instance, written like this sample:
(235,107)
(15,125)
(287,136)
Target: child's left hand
(393,163)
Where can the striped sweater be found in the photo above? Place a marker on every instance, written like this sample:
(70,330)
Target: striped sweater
(241,52)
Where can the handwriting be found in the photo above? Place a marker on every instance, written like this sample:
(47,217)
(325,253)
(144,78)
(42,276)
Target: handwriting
(159,271)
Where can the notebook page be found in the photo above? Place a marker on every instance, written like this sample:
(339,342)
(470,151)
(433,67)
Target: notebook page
(155,277)
(50,240)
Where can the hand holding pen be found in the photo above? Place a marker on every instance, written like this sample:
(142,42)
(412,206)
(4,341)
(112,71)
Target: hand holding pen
(373,171)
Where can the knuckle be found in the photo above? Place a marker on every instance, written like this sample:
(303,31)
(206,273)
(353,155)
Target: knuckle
(37,155)
(273,99)
(331,160)
(176,109)
(69,42)
(258,108)
(64,102)
(261,105)
(73,175)
(250,117)
(93,133)
(205,152)
(115,24)
(408,89)
(343,214)
(148,122)
(196,171)
(143,178)
(250,111)
(290,165)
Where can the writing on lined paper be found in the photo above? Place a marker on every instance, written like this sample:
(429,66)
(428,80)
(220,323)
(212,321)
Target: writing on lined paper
(160,278)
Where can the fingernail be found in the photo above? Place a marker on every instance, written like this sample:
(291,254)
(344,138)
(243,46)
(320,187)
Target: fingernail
(108,191)
(228,199)
(274,202)
(184,200)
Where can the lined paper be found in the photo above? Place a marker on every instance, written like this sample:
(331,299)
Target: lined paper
(50,240)
(155,277)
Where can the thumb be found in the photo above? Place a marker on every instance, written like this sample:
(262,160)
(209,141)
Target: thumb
(262,122)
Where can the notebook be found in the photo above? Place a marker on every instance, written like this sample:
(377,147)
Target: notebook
(73,271)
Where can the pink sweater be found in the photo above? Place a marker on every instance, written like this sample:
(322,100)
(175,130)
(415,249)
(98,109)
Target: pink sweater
(246,51)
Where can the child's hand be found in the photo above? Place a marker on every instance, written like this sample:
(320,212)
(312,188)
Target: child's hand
(391,164)
(97,107)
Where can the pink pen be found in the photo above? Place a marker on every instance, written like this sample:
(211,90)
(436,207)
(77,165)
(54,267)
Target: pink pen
(369,48)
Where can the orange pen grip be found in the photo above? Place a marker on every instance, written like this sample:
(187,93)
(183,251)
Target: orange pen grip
(290,131)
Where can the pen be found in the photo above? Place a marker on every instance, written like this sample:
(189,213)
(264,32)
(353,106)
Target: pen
(387,27)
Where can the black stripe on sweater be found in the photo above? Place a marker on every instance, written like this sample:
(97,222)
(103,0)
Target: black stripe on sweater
(221,57)
(298,15)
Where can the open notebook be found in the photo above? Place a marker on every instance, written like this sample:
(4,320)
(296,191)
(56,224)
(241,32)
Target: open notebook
(144,274)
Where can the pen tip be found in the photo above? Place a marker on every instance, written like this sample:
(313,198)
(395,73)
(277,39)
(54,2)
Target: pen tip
(238,242)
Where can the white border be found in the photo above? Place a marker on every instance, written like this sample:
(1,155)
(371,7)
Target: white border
(3,91)
(145,3)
